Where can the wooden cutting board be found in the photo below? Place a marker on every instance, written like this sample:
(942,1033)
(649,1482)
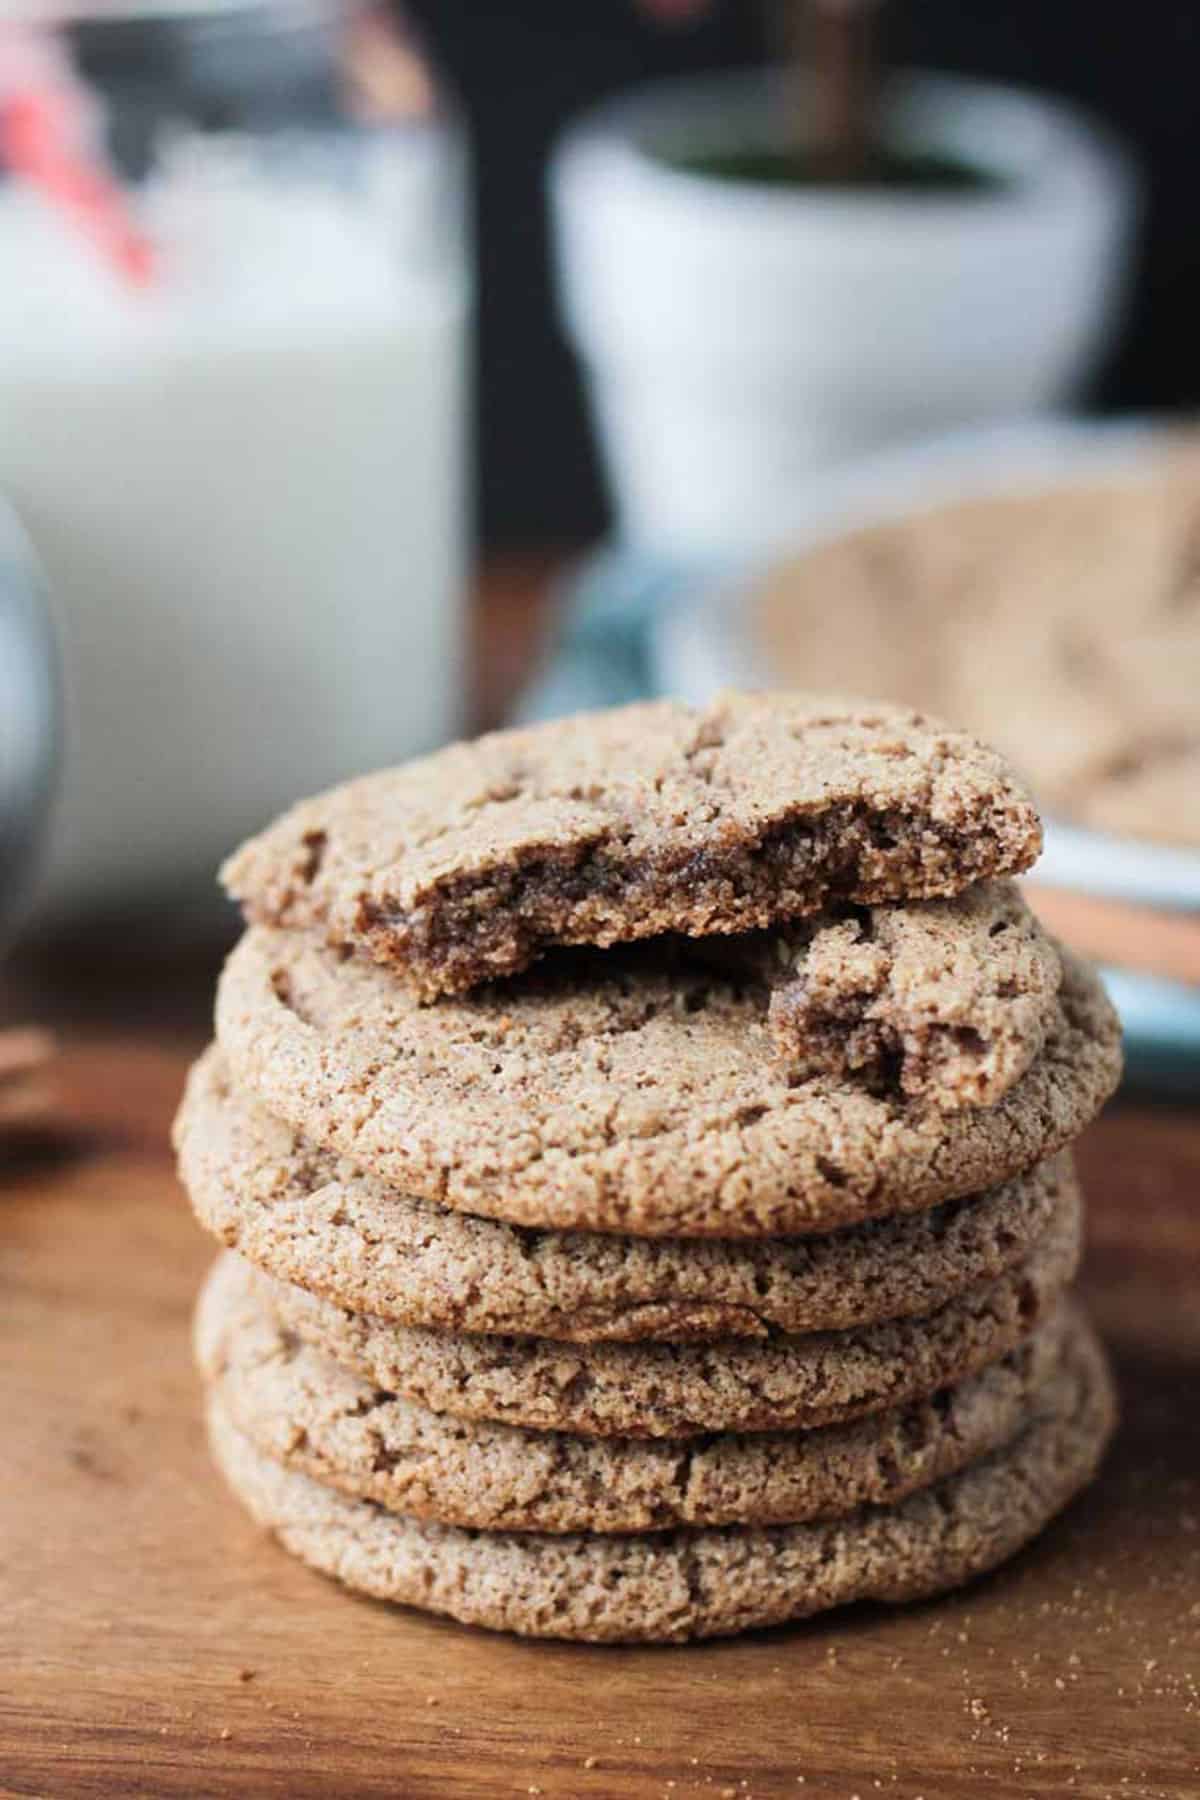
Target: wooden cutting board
(155,1643)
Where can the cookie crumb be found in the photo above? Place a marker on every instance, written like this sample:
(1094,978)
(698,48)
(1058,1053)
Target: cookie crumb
(247,1674)
(591,1762)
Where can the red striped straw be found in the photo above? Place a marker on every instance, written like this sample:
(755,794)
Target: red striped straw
(41,141)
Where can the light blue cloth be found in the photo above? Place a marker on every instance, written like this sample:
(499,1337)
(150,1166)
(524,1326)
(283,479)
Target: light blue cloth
(600,650)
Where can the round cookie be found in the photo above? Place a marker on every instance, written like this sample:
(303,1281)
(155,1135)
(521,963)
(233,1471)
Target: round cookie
(308,1217)
(300,1408)
(614,1092)
(669,1586)
(679,1390)
(609,826)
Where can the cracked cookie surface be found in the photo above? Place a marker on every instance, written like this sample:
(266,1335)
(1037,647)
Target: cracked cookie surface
(305,1411)
(310,1217)
(948,1001)
(621,1091)
(598,829)
(778,1383)
(673,1585)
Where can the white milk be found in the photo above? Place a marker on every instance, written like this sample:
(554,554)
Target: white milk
(247,490)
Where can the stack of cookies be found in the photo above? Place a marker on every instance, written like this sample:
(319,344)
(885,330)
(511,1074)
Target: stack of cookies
(641,1144)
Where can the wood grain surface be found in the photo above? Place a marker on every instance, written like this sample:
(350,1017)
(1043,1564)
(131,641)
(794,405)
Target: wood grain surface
(155,1643)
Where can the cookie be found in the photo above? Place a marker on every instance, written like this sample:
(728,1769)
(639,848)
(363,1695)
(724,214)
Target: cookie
(612,1091)
(1062,624)
(305,1411)
(606,827)
(669,1586)
(678,1390)
(947,1001)
(308,1217)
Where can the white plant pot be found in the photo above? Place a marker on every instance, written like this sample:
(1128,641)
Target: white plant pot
(736,337)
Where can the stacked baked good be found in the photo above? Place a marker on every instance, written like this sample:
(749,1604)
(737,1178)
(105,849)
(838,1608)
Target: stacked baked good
(642,1147)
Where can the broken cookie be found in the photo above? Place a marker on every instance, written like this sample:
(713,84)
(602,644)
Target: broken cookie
(945,1001)
(609,827)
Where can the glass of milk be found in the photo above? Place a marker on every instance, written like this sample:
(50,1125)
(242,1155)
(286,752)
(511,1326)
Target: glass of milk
(241,464)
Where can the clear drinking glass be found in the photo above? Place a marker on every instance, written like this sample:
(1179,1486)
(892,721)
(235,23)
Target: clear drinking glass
(234,306)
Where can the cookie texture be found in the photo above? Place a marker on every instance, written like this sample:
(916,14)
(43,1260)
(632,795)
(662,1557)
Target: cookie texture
(948,1001)
(617,1091)
(1063,625)
(679,1390)
(606,827)
(307,1216)
(673,1585)
(304,1411)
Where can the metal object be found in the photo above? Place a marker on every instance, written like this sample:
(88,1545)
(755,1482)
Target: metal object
(30,717)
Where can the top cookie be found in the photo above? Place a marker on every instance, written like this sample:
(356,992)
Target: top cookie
(611,826)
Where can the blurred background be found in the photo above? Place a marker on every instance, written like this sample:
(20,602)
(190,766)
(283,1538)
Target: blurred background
(527,69)
(371,373)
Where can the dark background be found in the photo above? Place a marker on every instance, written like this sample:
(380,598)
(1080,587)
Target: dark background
(525,67)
